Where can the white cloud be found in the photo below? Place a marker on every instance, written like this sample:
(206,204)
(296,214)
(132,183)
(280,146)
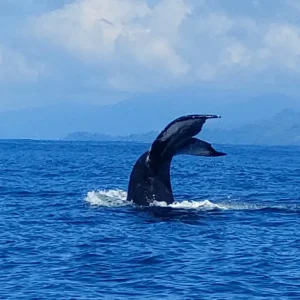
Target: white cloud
(175,41)
(283,42)
(15,67)
(121,35)
(237,54)
(98,30)
(91,28)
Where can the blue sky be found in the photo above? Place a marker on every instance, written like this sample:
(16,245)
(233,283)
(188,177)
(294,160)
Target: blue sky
(101,51)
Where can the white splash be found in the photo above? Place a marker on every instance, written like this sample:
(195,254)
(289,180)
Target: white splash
(108,198)
(202,205)
(116,197)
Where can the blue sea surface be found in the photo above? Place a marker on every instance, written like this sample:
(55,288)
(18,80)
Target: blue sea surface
(67,232)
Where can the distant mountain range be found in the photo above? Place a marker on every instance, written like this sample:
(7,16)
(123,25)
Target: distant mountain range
(87,136)
(282,129)
(146,113)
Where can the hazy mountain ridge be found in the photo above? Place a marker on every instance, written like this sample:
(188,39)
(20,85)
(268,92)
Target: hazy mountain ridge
(87,136)
(283,129)
(143,113)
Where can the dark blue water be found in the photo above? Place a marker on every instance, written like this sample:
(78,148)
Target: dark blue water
(67,233)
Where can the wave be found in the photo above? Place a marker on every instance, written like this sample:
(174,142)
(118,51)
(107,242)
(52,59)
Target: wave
(117,198)
(201,205)
(108,198)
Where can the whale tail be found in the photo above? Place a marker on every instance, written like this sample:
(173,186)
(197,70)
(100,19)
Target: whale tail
(198,147)
(178,138)
(150,176)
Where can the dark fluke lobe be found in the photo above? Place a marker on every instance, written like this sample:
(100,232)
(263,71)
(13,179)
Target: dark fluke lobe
(150,177)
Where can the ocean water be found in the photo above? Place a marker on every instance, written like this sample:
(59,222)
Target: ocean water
(66,231)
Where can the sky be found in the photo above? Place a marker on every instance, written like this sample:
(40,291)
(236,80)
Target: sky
(102,51)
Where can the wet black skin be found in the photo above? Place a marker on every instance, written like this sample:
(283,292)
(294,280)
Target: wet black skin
(150,177)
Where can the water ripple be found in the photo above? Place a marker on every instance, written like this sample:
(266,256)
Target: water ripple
(67,231)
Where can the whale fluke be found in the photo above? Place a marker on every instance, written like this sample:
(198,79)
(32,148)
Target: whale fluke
(150,176)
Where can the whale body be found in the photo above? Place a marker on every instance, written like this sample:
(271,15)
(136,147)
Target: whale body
(150,177)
